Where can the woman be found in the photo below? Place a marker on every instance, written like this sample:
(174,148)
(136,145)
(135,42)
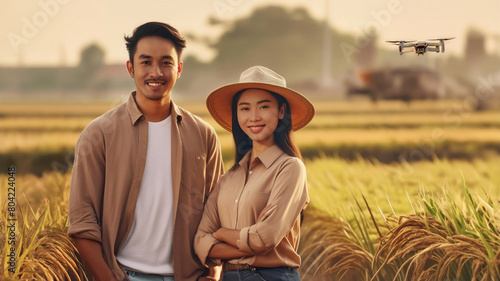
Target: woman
(251,221)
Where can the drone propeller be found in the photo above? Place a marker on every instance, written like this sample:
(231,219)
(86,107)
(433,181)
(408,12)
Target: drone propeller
(439,39)
(400,41)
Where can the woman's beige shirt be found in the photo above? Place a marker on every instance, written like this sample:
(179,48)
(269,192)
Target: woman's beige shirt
(264,201)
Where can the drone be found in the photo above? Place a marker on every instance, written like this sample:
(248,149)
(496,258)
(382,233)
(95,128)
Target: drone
(420,47)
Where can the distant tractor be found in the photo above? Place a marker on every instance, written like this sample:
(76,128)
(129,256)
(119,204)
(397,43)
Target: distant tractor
(396,84)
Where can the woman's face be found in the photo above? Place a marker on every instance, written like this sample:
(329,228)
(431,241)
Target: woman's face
(258,116)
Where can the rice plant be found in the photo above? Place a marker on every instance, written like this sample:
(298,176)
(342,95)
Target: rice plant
(443,239)
(452,240)
(42,248)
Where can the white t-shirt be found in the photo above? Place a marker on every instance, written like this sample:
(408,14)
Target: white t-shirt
(148,247)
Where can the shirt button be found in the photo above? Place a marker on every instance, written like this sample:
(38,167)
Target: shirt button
(236,201)
(250,172)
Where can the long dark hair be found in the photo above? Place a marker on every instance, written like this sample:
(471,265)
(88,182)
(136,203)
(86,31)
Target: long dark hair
(283,134)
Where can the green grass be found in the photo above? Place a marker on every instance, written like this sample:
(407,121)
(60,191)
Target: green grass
(333,180)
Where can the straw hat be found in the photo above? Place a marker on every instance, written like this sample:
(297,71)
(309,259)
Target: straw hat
(259,77)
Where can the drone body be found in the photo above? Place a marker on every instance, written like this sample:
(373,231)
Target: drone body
(421,47)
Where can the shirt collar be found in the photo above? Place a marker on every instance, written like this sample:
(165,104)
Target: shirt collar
(175,112)
(133,110)
(267,157)
(270,155)
(136,114)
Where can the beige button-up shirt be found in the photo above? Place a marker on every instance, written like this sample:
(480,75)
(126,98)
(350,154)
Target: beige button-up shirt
(264,202)
(109,162)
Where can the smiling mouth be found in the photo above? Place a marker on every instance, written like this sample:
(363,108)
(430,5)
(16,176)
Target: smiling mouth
(256,129)
(155,83)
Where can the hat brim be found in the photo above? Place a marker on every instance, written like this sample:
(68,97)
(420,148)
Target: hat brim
(219,103)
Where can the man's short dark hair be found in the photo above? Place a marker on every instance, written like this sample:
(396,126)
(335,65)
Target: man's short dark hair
(159,29)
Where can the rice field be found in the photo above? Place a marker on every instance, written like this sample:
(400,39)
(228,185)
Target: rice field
(398,191)
(338,128)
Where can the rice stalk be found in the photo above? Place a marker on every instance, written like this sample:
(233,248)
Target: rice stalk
(332,250)
(447,242)
(43,249)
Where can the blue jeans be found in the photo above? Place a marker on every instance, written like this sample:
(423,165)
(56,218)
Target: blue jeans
(137,276)
(262,274)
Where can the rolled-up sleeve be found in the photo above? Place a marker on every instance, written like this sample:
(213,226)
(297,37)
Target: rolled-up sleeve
(204,240)
(287,199)
(87,185)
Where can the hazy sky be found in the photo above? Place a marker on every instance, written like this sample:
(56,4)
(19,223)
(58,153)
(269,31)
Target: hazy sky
(49,32)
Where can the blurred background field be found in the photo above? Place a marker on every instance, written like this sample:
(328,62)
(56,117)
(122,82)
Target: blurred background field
(35,137)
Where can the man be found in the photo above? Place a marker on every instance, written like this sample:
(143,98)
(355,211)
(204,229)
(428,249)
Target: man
(143,172)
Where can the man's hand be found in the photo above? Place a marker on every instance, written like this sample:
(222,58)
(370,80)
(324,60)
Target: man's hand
(207,278)
(213,274)
(91,253)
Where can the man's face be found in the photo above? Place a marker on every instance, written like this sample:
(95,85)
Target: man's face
(156,67)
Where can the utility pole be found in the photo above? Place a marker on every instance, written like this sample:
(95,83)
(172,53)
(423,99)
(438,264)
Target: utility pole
(20,57)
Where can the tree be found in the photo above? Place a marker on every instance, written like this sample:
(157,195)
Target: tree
(92,57)
(288,41)
(91,60)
